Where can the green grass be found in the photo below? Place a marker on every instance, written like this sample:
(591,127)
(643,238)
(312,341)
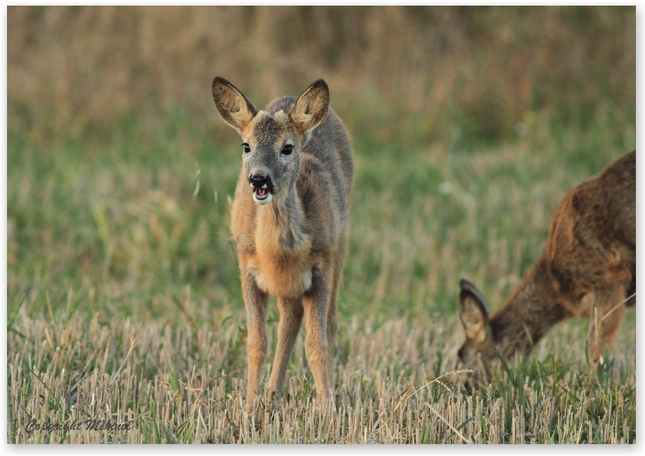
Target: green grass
(124,300)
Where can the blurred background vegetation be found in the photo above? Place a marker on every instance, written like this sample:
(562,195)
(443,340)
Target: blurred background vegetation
(468,124)
(407,74)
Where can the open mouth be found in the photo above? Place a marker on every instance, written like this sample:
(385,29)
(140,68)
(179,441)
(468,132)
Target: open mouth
(262,195)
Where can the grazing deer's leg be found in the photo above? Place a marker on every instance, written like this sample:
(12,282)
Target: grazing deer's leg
(291,311)
(256,339)
(605,317)
(631,294)
(316,308)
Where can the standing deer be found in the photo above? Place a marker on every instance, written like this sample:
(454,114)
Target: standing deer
(289,219)
(587,269)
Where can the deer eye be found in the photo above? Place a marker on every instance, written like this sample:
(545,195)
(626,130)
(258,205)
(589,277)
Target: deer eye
(287,149)
(246,148)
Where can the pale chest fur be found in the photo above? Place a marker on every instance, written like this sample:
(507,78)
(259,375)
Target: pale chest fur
(277,258)
(277,271)
(279,278)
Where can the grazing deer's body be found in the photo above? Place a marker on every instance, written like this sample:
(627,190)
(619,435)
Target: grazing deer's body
(289,219)
(587,269)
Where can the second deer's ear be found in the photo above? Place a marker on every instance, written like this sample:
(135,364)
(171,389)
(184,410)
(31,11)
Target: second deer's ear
(235,109)
(311,107)
(473,311)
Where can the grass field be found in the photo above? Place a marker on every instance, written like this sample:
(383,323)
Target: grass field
(124,301)
(125,319)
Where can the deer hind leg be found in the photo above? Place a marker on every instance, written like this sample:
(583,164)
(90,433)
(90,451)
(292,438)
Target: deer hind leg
(606,313)
(331,341)
(291,312)
(255,301)
(316,308)
(331,325)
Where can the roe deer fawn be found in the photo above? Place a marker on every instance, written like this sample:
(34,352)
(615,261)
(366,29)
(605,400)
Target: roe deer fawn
(289,219)
(587,269)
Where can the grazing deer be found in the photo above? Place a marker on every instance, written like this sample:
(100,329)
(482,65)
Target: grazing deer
(587,269)
(289,219)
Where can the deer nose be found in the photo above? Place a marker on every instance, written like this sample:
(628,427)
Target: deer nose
(258,180)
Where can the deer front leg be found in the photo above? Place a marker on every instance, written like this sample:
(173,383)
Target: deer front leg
(255,301)
(605,317)
(291,311)
(316,302)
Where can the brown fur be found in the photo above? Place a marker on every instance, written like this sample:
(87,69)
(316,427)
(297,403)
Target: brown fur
(294,246)
(587,269)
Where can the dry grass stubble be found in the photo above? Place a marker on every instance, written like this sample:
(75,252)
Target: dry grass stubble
(183,384)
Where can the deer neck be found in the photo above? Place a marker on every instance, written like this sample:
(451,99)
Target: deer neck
(281,225)
(528,314)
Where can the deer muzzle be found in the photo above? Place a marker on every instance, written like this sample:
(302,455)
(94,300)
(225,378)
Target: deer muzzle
(262,188)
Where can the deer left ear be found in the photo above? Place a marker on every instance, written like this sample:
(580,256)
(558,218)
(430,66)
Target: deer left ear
(473,311)
(235,109)
(311,107)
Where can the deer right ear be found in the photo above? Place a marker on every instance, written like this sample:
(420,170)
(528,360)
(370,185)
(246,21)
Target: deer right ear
(473,311)
(311,107)
(235,109)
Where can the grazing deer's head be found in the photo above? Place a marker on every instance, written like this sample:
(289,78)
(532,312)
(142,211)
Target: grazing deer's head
(271,143)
